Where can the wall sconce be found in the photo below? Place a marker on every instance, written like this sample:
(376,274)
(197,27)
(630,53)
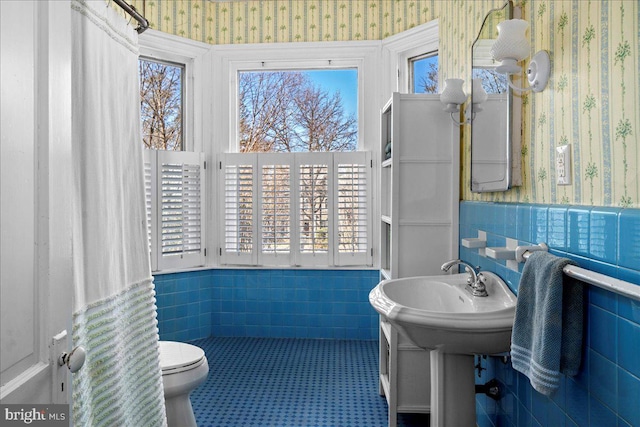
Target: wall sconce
(511,47)
(478,95)
(453,96)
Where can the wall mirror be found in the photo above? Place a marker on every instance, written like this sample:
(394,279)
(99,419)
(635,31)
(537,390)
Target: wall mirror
(492,128)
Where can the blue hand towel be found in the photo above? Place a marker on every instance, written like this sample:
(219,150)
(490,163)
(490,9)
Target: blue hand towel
(547,332)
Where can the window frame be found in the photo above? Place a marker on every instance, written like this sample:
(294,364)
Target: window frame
(401,47)
(362,56)
(164,48)
(195,58)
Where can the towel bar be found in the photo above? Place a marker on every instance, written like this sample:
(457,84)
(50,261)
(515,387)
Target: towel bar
(611,284)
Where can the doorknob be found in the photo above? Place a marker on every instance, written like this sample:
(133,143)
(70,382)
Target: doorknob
(73,360)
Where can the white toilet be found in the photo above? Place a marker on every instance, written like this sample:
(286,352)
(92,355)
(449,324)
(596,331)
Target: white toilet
(184,367)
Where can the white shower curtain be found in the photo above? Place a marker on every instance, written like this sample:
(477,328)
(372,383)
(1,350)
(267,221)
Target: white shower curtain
(114,300)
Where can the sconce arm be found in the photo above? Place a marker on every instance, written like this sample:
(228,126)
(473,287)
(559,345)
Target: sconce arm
(538,73)
(516,88)
(457,122)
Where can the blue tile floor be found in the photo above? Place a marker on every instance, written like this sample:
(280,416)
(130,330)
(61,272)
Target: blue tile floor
(292,382)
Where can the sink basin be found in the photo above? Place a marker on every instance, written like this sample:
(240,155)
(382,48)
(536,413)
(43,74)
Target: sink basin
(437,312)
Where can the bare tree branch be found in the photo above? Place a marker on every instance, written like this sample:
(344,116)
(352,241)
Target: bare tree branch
(161,105)
(283,111)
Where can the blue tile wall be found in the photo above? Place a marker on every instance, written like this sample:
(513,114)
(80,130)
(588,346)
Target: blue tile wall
(606,391)
(273,303)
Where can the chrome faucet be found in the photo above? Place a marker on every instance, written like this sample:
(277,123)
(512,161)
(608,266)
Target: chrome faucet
(475,281)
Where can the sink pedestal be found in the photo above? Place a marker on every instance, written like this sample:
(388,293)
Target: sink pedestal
(453,396)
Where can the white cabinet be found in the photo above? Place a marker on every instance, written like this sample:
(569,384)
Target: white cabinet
(420,186)
(419,175)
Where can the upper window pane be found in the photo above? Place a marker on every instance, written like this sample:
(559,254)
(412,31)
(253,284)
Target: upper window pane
(161,104)
(298,111)
(424,73)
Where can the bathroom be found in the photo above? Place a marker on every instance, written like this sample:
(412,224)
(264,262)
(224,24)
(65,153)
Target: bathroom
(590,103)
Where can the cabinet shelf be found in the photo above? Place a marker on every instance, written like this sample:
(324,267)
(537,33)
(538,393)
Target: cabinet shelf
(387,163)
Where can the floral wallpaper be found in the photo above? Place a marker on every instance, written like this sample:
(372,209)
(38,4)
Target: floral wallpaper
(591,101)
(234,22)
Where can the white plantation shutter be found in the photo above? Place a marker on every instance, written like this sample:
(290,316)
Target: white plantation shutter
(283,209)
(353,172)
(150,164)
(314,210)
(276,184)
(177,194)
(240,206)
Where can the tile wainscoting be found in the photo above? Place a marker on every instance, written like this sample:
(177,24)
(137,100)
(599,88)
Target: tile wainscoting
(275,303)
(606,392)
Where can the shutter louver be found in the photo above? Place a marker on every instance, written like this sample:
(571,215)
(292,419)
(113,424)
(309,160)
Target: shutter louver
(180,209)
(149,157)
(276,208)
(180,204)
(147,198)
(239,209)
(353,209)
(314,209)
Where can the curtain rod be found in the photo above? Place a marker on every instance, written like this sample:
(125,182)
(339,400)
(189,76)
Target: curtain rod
(144,24)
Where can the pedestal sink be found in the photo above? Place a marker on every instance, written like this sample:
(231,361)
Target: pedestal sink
(437,313)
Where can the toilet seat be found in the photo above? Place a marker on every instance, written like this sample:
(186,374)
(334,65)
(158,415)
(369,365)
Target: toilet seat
(176,357)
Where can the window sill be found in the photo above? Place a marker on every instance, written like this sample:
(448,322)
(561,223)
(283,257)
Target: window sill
(262,267)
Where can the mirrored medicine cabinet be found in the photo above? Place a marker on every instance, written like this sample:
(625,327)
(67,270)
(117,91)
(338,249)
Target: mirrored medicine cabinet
(495,129)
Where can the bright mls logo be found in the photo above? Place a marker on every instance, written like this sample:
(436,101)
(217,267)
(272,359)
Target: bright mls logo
(34,415)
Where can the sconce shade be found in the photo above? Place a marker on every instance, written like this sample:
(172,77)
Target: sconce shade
(452,95)
(511,46)
(478,94)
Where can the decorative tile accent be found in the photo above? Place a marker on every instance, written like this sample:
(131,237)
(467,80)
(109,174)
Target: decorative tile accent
(629,254)
(539,224)
(523,230)
(557,230)
(603,234)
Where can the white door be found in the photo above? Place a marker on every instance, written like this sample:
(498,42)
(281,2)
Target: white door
(35,217)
